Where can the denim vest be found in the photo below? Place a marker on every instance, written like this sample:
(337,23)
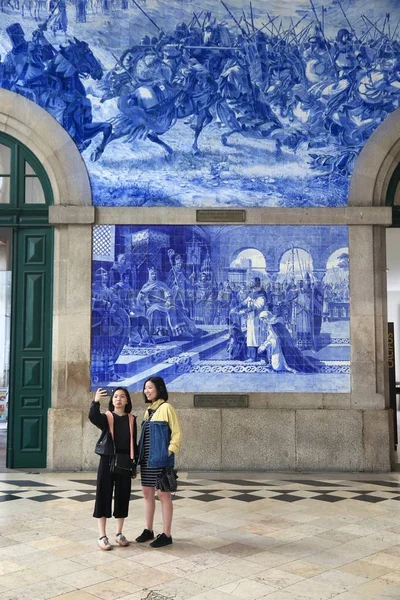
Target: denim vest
(160,436)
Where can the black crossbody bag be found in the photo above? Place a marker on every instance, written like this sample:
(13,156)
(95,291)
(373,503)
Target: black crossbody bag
(122,464)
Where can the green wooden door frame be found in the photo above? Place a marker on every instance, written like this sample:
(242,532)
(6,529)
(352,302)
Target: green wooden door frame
(31,307)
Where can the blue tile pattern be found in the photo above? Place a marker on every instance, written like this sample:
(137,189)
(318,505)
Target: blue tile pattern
(222,308)
(209,104)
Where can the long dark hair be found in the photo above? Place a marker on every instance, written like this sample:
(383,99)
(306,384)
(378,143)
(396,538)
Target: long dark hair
(128,405)
(160,387)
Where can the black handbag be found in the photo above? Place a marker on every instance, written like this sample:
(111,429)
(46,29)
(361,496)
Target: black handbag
(167,480)
(122,464)
(104,445)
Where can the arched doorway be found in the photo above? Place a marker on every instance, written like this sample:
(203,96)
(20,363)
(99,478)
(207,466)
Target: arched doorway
(38,134)
(27,253)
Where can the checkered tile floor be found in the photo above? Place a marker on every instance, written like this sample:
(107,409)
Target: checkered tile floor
(214,490)
(240,536)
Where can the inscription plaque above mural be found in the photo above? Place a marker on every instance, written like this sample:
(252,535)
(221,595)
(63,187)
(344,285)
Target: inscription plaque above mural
(209,103)
(216,308)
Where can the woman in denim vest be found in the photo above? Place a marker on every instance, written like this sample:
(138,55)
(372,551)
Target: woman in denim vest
(159,442)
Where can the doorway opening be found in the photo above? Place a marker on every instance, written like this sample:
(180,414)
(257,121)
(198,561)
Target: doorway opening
(26,268)
(393,303)
(5,329)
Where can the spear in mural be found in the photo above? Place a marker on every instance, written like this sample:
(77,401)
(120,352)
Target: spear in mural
(120,63)
(374,26)
(273,24)
(146,15)
(384,23)
(324,38)
(395,31)
(43,26)
(197,18)
(246,22)
(264,26)
(234,19)
(353,31)
(304,32)
(365,34)
(292,30)
(301,36)
(171,253)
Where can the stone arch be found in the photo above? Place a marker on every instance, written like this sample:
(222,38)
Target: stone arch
(328,251)
(301,246)
(376,165)
(240,249)
(50,143)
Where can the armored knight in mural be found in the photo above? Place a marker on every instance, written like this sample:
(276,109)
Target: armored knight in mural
(277,297)
(118,270)
(179,284)
(59,21)
(204,305)
(110,329)
(318,304)
(224,299)
(303,316)
(80,11)
(252,307)
(24,70)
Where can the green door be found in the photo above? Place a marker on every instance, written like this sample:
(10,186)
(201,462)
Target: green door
(24,209)
(30,365)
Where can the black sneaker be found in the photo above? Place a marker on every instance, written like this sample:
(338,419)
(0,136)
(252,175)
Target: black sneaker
(146,536)
(161,540)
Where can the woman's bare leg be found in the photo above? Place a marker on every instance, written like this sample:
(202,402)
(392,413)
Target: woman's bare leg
(149,506)
(120,524)
(101,523)
(167,511)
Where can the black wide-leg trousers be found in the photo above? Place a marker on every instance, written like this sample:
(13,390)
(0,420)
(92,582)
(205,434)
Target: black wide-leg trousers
(106,483)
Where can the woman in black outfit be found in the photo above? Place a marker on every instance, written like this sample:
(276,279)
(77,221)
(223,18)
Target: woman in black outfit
(121,406)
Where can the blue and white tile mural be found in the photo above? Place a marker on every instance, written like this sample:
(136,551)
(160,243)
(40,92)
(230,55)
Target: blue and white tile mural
(209,102)
(221,308)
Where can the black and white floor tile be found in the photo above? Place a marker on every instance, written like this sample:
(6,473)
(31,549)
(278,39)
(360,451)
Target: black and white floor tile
(213,490)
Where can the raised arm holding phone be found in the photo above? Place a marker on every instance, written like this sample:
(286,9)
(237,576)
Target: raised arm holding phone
(120,439)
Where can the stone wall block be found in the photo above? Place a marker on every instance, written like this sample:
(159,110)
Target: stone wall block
(67,215)
(258,439)
(377,440)
(72,318)
(90,435)
(295,400)
(362,194)
(362,282)
(380,296)
(329,440)
(337,401)
(201,438)
(64,439)
(363,339)
(368,215)
(364,386)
